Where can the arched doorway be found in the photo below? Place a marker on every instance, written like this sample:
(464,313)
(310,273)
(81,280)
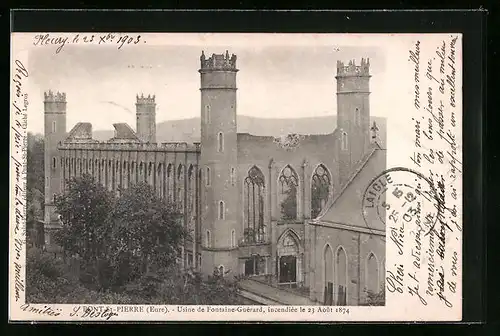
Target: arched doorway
(289,261)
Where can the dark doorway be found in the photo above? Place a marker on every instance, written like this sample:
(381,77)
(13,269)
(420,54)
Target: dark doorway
(288,269)
(250,266)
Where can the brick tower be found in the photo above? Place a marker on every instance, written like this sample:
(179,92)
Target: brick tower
(146,118)
(353,113)
(219,164)
(55,132)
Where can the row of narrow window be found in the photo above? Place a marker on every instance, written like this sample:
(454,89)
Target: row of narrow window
(288,182)
(336,275)
(85,164)
(208,239)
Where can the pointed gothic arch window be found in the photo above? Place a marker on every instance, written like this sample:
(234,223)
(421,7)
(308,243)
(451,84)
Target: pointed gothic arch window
(343,141)
(222,210)
(341,272)
(372,276)
(254,206)
(320,189)
(288,184)
(220,142)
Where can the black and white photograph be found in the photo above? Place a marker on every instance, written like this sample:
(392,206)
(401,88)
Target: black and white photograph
(246,175)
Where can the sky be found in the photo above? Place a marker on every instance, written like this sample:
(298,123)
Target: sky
(281,76)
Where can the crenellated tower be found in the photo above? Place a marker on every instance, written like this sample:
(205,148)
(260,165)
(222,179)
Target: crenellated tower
(353,113)
(219,163)
(55,132)
(146,118)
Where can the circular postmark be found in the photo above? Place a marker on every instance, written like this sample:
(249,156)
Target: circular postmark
(400,195)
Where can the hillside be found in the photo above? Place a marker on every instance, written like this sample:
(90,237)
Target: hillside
(188,130)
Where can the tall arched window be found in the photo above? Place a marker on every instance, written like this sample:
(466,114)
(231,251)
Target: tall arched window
(54,163)
(170,183)
(254,206)
(208,239)
(372,276)
(382,273)
(54,129)
(221,210)
(233,238)
(207,114)
(320,190)
(288,184)
(221,270)
(220,142)
(133,174)
(341,272)
(208,177)
(180,187)
(328,283)
(159,179)
(343,141)
(192,190)
(233,176)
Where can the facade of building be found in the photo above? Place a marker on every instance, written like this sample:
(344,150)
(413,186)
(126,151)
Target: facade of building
(288,208)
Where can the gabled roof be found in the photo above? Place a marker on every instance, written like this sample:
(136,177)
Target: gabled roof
(346,207)
(124,132)
(81,132)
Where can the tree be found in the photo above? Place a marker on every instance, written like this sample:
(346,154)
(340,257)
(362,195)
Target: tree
(124,249)
(174,286)
(35,162)
(86,231)
(35,189)
(147,233)
(375,298)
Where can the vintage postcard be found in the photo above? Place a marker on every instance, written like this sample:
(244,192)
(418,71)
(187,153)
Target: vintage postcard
(235,177)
